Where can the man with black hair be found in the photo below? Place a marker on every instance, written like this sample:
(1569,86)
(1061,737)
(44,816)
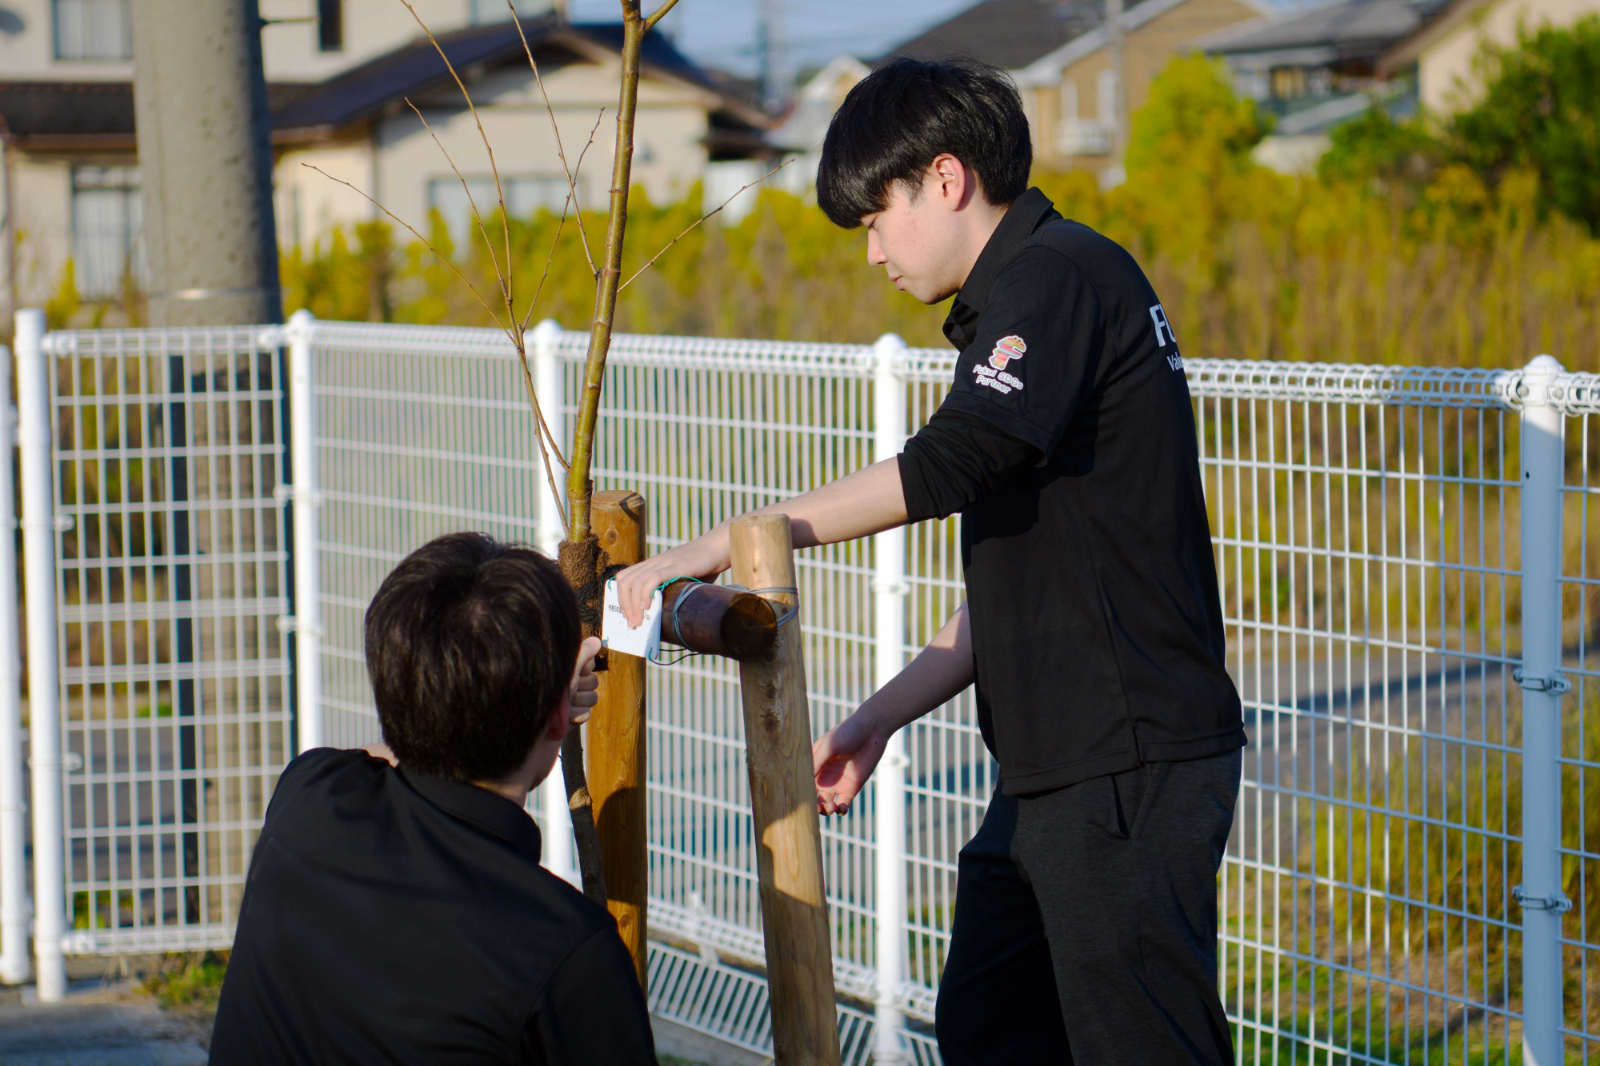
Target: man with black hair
(395,909)
(1086,914)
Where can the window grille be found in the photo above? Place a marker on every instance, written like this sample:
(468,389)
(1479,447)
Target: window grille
(92,29)
(107,231)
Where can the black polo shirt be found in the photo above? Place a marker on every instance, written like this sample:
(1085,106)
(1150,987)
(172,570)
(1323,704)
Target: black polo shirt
(1067,442)
(396,918)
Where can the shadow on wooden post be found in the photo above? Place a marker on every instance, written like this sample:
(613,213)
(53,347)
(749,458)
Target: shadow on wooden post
(616,756)
(777,725)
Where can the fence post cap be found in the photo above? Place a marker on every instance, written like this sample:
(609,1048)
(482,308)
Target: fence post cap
(1544,365)
(30,325)
(300,325)
(888,352)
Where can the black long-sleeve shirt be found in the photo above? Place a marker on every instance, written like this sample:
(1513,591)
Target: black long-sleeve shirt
(391,917)
(1067,443)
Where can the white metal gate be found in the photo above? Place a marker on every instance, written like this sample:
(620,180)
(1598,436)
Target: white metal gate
(1410,584)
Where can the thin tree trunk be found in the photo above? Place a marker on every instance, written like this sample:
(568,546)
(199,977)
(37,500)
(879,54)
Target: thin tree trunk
(582,561)
(605,299)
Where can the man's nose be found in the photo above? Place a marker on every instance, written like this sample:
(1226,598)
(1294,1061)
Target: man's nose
(875,256)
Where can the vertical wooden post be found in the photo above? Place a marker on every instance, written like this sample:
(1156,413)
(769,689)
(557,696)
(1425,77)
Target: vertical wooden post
(617,742)
(777,726)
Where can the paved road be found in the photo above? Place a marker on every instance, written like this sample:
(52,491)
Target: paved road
(97,1026)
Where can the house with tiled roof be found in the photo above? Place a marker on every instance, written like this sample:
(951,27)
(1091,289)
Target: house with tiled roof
(71,178)
(1056,52)
(1070,89)
(1438,54)
(1313,69)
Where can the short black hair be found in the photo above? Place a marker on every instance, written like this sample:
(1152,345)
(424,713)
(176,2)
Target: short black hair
(470,648)
(907,112)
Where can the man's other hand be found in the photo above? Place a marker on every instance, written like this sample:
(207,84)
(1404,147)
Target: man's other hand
(704,557)
(843,758)
(585,690)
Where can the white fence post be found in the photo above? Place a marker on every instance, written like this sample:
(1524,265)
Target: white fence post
(548,386)
(307,622)
(13,868)
(1543,461)
(889,808)
(44,712)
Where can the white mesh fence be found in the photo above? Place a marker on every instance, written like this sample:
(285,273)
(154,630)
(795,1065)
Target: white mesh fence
(1579,398)
(1369,540)
(171,575)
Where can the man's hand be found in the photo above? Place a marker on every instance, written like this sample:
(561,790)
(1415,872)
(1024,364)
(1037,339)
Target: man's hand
(584,692)
(868,501)
(843,758)
(704,557)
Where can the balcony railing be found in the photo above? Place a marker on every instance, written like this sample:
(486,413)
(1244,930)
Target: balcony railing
(1081,136)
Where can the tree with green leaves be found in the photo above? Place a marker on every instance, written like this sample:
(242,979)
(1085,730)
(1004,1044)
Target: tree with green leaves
(1540,111)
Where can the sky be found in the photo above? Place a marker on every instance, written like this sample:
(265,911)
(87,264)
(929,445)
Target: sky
(722,33)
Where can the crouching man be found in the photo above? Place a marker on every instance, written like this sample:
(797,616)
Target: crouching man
(398,913)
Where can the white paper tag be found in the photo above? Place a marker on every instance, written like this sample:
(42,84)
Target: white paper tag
(643,641)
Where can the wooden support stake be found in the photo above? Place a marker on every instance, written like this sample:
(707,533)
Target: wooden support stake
(717,620)
(777,726)
(617,742)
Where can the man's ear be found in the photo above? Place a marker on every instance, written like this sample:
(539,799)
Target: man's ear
(559,722)
(952,180)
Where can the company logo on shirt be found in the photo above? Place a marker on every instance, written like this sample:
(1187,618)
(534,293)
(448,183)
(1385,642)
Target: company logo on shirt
(998,380)
(1007,349)
(1159,317)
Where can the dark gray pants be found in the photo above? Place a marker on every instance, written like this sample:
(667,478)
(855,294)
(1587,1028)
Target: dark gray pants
(1086,924)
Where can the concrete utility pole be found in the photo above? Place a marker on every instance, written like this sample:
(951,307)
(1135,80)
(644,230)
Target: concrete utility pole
(205,162)
(1117,44)
(772,56)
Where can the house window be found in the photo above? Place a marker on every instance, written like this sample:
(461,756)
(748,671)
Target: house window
(330,25)
(498,11)
(1251,84)
(1105,97)
(107,245)
(1288,83)
(1069,99)
(525,195)
(92,29)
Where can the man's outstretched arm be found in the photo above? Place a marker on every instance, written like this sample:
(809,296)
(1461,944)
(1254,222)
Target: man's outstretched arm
(866,502)
(845,756)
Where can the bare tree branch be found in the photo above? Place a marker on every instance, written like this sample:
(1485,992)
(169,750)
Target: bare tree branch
(572,202)
(701,219)
(505,222)
(471,202)
(572,180)
(650,22)
(538,411)
(425,243)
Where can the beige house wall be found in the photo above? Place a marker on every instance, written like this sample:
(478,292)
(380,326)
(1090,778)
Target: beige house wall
(1445,77)
(1150,48)
(42,196)
(371,28)
(668,155)
(29,55)
(306,205)
(395,159)
(289,49)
